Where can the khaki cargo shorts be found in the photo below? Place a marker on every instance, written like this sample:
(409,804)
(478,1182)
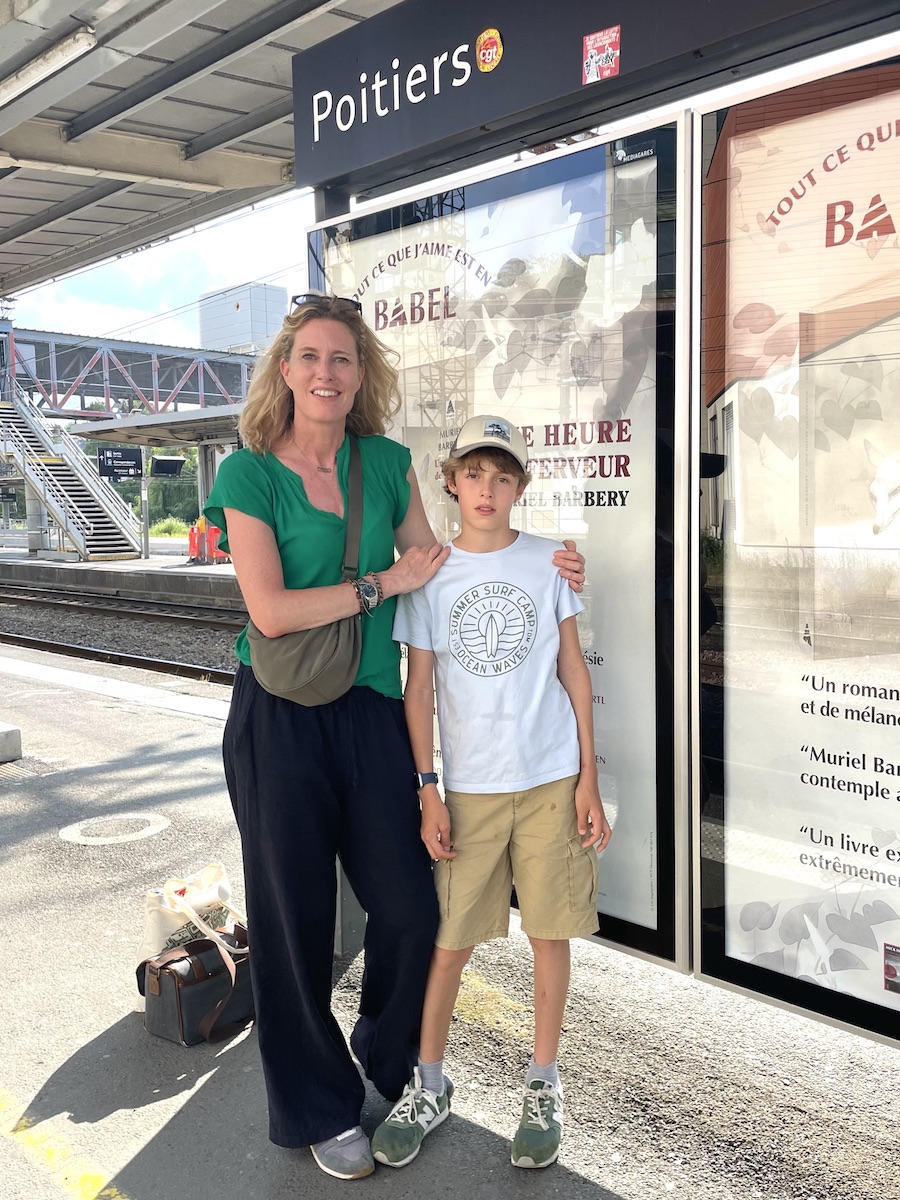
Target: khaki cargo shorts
(529,839)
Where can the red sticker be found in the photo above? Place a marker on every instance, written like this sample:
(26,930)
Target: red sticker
(600,54)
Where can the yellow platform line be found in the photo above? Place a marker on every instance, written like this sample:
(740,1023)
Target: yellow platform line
(51,1150)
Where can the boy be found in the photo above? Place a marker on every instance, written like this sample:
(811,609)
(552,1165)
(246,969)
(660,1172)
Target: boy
(495,631)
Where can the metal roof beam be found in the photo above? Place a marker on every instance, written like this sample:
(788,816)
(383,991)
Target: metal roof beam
(59,87)
(121,34)
(281,17)
(132,237)
(37,146)
(239,128)
(153,21)
(65,209)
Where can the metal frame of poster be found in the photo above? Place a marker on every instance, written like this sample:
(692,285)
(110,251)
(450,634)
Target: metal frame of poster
(546,293)
(798,850)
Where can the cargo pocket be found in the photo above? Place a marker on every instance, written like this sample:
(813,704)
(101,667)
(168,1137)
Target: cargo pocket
(584,875)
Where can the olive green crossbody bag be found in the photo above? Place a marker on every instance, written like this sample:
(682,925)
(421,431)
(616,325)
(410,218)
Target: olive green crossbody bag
(316,666)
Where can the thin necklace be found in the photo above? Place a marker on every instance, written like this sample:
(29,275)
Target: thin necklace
(303,454)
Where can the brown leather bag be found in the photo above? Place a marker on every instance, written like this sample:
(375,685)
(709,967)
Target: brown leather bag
(200,991)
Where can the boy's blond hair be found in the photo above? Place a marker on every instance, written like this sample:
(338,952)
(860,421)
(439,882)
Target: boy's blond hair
(501,460)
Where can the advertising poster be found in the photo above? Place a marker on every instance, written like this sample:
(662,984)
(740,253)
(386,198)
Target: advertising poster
(534,296)
(804,356)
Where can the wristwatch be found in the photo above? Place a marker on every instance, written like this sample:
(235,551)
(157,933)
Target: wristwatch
(425,778)
(368,593)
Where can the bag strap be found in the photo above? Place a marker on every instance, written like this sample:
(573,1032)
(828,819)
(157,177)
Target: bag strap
(207,1026)
(184,906)
(350,569)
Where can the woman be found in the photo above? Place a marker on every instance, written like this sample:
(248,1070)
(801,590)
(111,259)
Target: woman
(308,784)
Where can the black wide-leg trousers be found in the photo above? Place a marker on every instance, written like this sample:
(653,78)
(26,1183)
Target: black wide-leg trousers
(307,785)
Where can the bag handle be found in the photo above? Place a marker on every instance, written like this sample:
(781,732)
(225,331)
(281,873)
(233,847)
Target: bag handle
(353,533)
(185,907)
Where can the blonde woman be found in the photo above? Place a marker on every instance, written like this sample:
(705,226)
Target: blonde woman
(310,784)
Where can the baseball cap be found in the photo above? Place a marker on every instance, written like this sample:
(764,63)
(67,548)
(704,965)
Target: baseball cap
(496,432)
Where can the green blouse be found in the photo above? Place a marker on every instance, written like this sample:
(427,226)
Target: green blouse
(311,542)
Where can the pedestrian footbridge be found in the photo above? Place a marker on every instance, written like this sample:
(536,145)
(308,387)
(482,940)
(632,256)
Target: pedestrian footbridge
(48,379)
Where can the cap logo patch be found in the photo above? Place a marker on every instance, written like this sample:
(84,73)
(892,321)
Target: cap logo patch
(498,429)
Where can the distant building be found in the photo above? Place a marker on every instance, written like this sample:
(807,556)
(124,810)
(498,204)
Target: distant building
(242,320)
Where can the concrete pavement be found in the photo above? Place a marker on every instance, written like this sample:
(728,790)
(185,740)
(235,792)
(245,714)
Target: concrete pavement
(674,1088)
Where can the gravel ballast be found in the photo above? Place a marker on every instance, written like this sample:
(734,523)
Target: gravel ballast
(170,641)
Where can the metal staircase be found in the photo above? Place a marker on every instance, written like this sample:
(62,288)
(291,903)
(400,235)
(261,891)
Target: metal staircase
(95,519)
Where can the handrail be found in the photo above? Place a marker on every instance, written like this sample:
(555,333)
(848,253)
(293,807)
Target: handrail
(65,511)
(76,459)
(94,481)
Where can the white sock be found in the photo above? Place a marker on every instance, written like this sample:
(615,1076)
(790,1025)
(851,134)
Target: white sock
(549,1074)
(432,1076)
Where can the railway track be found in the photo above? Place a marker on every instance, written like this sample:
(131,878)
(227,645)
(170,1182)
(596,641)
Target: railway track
(227,620)
(93,654)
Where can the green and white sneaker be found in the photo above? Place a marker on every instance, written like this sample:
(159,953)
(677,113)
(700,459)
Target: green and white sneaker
(537,1139)
(398,1139)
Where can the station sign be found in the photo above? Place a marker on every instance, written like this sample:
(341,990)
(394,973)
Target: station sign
(7,495)
(426,88)
(118,464)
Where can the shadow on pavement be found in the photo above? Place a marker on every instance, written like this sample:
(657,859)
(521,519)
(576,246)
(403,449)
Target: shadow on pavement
(92,1085)
(216,1146)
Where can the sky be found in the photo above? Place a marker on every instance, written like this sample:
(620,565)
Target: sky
(151,295)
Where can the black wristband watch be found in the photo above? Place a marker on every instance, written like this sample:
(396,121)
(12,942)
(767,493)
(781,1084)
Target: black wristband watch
(425,778)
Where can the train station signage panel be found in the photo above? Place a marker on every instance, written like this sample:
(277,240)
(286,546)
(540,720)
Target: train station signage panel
(115,463)
(425,87)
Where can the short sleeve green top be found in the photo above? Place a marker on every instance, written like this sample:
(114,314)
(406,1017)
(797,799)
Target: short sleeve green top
(311,542)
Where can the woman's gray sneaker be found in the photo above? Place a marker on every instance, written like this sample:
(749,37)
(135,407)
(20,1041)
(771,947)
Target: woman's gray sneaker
(346,1156)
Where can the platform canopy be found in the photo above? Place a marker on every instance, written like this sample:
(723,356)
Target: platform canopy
(206,426)
(125,121)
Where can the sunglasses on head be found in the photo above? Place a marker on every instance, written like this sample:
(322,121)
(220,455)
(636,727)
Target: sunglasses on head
(325,301)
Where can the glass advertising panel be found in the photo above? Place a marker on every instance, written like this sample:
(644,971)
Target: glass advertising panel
(546,295)
(800,681)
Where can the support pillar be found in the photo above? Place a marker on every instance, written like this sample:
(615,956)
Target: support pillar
(37,522)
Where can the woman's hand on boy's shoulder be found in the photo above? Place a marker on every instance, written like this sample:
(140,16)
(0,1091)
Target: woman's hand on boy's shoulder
(570,564)
(593,827)
(435,824)
(415,567)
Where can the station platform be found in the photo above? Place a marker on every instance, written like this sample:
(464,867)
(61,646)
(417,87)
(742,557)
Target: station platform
(674,1088)
(165,575)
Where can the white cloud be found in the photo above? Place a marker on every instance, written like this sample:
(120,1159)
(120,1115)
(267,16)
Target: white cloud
(152,295)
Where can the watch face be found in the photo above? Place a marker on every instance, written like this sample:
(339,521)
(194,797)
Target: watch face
(369,591)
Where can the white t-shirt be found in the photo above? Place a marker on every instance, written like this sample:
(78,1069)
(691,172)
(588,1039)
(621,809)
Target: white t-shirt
(492,621)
